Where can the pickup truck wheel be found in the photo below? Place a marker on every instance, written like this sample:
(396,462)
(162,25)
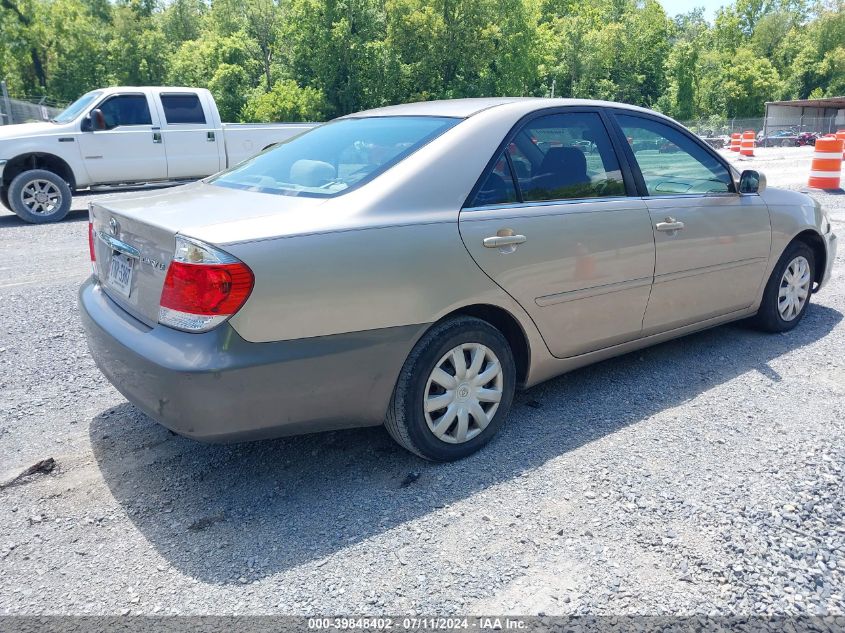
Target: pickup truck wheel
(454,392)
(39,196)
(4,198)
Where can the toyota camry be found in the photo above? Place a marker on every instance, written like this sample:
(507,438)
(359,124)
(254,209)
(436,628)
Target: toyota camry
(414,265)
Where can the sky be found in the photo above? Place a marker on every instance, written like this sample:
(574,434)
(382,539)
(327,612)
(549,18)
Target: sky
(674,7)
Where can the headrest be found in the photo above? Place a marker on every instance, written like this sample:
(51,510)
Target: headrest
(563,157)
(311,173)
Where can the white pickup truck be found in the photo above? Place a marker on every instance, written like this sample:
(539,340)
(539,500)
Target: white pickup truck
(123,136)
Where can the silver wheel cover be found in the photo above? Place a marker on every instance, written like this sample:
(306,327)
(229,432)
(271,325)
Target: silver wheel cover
(41,197)
(794,288)
(463,393)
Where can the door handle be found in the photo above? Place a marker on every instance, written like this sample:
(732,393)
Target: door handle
(669,225)
(156,137)
(210,137)
(499,241)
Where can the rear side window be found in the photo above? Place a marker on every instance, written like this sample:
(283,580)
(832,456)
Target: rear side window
(498,187)
(671,162)
(126,110)
(566,156)
(182,109)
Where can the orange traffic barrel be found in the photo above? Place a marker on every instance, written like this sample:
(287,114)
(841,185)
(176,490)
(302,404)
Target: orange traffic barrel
(747,147)
(840,134)
(826,170)
(736,141)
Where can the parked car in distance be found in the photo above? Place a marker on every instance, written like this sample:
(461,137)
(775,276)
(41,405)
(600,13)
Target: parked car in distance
(413,265)
(121,136)
(779,138)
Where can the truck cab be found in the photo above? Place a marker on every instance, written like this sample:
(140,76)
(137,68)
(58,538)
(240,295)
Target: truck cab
(178,134)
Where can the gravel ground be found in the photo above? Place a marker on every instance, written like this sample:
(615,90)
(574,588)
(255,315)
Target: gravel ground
(701,476)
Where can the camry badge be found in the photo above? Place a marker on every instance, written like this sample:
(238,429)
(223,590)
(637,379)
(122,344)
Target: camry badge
(154,263)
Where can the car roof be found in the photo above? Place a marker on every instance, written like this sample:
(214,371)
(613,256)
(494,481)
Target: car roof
(464,108)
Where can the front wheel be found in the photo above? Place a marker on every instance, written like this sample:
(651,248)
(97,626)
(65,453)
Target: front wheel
(454,391)
(39,196)
(787,293)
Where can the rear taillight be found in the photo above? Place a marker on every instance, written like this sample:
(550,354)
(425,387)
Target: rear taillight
(204,286)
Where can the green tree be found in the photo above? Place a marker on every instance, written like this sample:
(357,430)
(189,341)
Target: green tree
(286,102)
(681,71)
(338,56)
(748,82)
(182,20)
(138,53)
(74,51)
(230,86)
(334,47)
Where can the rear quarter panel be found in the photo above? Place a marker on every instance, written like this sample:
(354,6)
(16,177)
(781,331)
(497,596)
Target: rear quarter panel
(355,280)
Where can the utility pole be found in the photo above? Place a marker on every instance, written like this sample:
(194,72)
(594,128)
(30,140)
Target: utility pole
(554,83)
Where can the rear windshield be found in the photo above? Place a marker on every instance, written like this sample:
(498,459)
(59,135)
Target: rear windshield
(335,157)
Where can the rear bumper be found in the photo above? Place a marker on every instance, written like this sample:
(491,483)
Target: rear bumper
(217,387)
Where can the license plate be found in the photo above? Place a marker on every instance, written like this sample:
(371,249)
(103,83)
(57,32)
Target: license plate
(120,273)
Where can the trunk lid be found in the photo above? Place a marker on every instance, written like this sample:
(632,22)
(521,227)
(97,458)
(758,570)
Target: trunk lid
(141,232)
(149,250)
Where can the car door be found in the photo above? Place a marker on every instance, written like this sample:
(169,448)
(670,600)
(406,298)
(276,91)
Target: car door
(191,140)
(552,223)
(712,243)
(129,149)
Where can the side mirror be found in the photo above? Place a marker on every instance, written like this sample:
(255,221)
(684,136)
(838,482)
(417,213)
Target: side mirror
(751,181)
(98,119)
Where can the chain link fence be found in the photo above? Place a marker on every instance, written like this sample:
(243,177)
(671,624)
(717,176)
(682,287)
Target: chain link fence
(718,126)
(26,109)
(771,133)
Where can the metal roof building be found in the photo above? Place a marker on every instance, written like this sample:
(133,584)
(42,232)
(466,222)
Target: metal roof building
(810,115)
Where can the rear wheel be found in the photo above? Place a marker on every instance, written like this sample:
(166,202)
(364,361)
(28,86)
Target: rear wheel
(787,293)
(39,196)
(454,391)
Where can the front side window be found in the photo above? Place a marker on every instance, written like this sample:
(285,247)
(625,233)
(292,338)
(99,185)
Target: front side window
(566,156)
(126,110)
(670,161)
(182,109)
(332,158)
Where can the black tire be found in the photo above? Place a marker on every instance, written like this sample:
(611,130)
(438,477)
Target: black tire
(768,317)
(4,197)
(31,213)
(406,419)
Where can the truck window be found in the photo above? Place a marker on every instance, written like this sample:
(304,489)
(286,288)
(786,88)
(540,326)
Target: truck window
(126,110)
(182,109)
